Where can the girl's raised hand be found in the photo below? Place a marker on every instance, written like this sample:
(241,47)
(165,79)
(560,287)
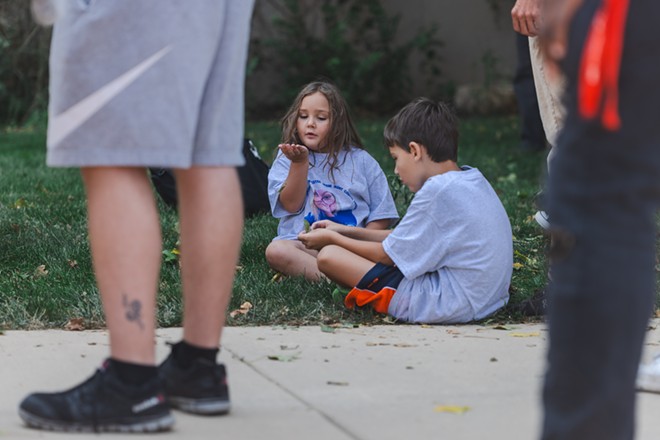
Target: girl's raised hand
(294,152)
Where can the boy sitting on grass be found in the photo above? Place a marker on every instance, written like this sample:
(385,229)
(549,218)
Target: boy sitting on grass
(450,258)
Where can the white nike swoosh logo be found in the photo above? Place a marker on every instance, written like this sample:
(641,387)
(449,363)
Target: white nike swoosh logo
(71,119)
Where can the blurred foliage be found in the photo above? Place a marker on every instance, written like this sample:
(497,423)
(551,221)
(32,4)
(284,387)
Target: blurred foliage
(354,44)
(24,49)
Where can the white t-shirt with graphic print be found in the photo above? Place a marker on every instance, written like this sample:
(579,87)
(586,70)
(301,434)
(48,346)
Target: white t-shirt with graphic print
(358,194)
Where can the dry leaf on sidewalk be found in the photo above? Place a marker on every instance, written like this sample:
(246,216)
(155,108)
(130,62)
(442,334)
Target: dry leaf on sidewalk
(452,409)
(525,335)
(283,358)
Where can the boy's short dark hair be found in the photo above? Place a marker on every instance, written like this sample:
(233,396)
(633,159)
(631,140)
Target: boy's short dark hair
(429,123)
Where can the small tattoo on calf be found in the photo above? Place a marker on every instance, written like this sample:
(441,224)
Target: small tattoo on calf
(133,310)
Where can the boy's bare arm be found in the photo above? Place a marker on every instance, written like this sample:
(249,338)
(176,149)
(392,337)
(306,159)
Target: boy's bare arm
(371,250)
(321,237)
(364,234)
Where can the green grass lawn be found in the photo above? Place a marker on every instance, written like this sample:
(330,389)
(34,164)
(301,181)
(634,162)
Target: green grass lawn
(46,277)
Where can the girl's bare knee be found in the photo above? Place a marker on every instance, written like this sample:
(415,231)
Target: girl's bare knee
(274,253)
(326,257)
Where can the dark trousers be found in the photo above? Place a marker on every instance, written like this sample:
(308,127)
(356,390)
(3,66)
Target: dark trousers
(604,190)
(532,136)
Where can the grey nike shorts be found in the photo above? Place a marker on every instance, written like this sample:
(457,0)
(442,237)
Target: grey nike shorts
(155,83)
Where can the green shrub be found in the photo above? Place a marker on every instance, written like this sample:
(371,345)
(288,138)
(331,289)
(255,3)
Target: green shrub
(353,46)
(23,63)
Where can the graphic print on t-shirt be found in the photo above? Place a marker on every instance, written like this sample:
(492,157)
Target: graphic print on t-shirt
(330,202)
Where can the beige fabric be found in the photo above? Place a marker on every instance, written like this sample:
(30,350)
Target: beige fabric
(549,95)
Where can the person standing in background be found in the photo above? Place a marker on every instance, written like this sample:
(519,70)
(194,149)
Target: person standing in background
(527,19)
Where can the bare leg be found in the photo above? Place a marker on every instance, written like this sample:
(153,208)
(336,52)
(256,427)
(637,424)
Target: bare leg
(124,233)
(290,257)
(211,215)
(343,266)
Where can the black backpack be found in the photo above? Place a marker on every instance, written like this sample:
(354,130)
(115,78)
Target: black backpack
(253,176)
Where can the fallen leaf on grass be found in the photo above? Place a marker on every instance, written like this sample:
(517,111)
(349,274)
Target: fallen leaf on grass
(40,271)
(242,310)
(452,409)
(283,358)
(517,266)
(171,255)
(337,383)
(72,263)
(525,335)
(277,277)
(75,325)
(339,294)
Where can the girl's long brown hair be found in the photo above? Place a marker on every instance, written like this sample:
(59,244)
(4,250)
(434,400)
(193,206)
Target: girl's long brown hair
(342,133)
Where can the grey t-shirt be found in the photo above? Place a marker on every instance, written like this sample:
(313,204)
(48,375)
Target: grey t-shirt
(359,193)
(455,248)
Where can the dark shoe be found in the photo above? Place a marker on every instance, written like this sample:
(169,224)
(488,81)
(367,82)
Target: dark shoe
(200,389)
(101,403)
(537,305)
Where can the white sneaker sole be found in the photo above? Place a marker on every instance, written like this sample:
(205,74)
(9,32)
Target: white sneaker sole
(542,220)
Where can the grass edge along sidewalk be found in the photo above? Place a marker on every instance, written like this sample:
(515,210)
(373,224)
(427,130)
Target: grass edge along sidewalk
(46,278)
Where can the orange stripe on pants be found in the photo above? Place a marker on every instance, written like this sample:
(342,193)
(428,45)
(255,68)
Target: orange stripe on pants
(380,301)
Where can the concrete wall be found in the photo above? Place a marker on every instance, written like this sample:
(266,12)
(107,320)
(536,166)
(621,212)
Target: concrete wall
(469,28)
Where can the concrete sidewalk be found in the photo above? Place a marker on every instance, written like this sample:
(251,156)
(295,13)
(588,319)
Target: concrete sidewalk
(376,383)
